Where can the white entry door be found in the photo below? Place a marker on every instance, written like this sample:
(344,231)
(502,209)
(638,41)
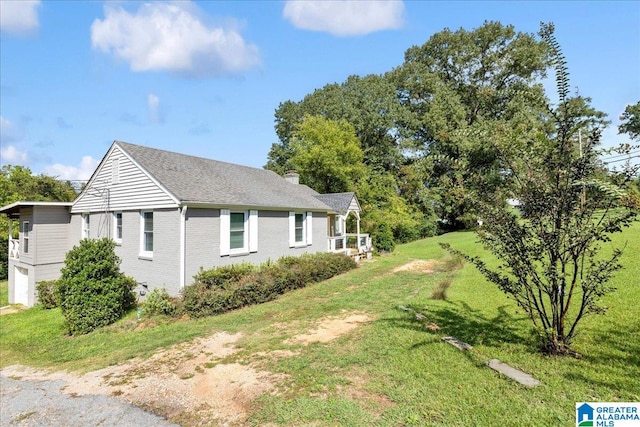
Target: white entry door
(21,286)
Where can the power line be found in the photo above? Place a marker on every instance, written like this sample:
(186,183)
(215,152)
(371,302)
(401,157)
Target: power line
(634,152)
(637,156)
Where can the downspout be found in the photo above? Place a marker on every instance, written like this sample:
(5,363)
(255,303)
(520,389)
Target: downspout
(183,245)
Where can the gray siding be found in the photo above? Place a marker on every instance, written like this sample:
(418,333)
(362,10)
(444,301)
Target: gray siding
(51,234)
(133,189)
(163,269)
(75,230)
(47,272)
(203,242)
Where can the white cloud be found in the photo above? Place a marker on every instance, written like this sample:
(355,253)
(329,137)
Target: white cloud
(345,17)
(12,156)
(172,37)
(82,172)
(19,17)
(153,106)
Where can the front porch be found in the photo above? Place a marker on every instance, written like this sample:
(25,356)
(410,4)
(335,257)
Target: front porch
(351,244)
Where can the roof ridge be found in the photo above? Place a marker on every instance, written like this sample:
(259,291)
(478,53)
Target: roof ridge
(175,153)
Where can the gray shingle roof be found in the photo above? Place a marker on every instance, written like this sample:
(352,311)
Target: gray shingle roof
(337,201)
(199,180)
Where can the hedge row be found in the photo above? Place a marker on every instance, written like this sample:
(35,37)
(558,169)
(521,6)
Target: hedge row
(228,288)
(214,291)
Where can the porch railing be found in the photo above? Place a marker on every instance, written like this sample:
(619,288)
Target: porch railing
(350,242)
(14,248)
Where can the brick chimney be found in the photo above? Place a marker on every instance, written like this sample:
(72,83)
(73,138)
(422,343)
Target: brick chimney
(292,177)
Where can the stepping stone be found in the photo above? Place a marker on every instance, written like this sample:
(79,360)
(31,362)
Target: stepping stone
(420,316)
(513,373)
(457,343)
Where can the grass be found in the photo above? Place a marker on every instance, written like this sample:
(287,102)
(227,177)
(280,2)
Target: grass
(4,293)
(393,370)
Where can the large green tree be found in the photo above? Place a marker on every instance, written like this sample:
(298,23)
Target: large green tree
(369,104)
(459,87)
(326,154)
(550,252)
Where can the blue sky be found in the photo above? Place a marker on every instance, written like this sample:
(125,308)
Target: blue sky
(204,78)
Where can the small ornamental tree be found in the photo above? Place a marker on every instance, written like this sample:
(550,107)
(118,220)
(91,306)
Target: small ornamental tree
(92,291)
(550,252)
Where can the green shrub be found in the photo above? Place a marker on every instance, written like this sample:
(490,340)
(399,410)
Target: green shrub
(199,300)
(92,291)
(382,238)
(223,276)
(158,302)
(46,292)
(260,285)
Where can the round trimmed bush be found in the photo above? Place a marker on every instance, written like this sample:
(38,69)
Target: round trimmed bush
(92,291)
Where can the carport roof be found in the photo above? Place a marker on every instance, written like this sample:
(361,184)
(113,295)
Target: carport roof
(13,209)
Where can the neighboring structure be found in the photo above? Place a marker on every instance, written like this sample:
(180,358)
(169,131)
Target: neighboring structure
(39,252)
(172,214)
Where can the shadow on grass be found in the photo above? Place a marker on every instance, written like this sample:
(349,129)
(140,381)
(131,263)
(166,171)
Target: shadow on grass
(465,323)
(623,346)
(614,365)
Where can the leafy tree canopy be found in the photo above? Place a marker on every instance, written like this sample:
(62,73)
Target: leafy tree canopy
(367,103)
(631,121)
(326,154)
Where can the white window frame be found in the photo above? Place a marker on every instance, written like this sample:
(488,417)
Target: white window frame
(25,237)
(117,227)
(86,226)
(143,251)
(303,234)
(307,229)
(245,233)
(250,236)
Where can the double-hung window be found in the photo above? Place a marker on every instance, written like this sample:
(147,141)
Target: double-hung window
(146,233)
(300,229)
(86,226)
(238,232)
(25,237)
(117,227)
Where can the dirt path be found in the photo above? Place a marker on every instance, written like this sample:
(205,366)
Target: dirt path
(189,383)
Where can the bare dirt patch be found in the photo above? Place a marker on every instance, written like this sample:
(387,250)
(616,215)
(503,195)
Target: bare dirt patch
(186,383)
(330,328)
(428,266)
(195,384)
(11,309)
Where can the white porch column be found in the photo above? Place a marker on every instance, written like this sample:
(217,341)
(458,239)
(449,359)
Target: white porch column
(358,230)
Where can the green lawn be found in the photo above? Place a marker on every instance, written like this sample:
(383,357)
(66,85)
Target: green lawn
(4,293)
(405,373)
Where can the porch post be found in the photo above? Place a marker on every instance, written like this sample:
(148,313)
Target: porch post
(358,230)
(10,239)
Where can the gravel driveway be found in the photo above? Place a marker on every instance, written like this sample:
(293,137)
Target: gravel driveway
(41,403)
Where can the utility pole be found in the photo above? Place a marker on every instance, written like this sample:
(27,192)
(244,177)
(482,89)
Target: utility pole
(583,196)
